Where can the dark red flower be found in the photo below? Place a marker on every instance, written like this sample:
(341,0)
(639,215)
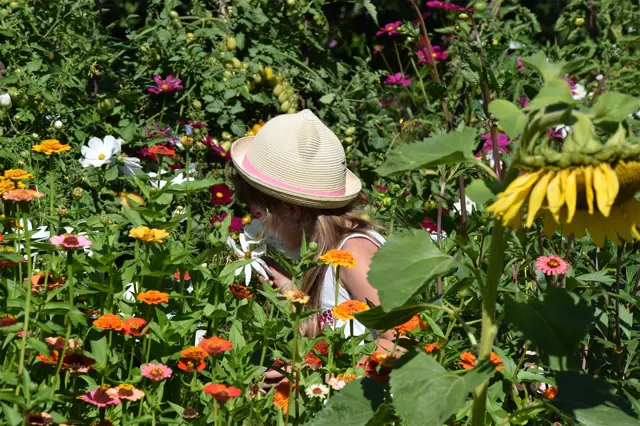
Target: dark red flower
(236,222)
(221,194)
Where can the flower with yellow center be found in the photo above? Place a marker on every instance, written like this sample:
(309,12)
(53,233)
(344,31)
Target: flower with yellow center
(17,174)
(50,146)
(148,235)
(297,297)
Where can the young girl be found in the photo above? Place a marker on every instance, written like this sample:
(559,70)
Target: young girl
(293,172)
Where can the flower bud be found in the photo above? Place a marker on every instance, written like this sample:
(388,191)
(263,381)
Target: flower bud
(77,192)
(58,124)
(217,225)
(226,146)
(63,211)
(5,100)
(313,246)
(104,219)
(173,14)
(197,104)
(579,22)
(463,16)
(24,154)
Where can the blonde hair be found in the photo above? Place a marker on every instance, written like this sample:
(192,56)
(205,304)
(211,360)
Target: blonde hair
(326,227)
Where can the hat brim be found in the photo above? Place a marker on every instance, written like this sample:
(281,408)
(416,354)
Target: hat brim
(352,188)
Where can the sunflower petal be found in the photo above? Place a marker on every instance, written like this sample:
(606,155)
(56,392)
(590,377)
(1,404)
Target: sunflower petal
(588,182)
(537,198)
(601,186)
(614,184)
(571,194)
(514,193)
(555,195)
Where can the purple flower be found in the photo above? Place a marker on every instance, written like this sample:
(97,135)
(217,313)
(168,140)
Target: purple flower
(448,6)
(391,28)
(382,188)
(438,53)
(333,43)
(503,143)
(397,79)
(386,102)
(157,132)
(171,84)
(519,63)
(523,100)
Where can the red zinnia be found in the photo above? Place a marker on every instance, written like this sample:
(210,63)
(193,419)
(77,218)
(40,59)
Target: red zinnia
(221,392)
(161,150)
(240,291)
(221,194)
(134,326)
(215,345)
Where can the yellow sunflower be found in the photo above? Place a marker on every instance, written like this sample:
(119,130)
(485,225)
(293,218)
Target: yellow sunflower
(569,197)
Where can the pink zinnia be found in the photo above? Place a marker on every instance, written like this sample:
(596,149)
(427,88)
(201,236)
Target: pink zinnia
(155,372)
(58,343)
(503,142)
(448,6)
(398,79)
(100,397)
(125,391)
(171,84)
(70,241)
(552,265)
(234,226)
(438,53)
(391,28)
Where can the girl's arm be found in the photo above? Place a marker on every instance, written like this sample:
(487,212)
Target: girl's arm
(356,282)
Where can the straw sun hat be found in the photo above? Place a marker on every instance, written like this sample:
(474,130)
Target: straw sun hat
(297,159)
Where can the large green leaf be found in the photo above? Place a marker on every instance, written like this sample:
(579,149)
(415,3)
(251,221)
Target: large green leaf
(613,106)
(354,405)
(551,70)
(555,325)
(377,319)
(553,92)
(426,394)
(193,186)
(510,117)
(590,402)
(403,267)
(446,148)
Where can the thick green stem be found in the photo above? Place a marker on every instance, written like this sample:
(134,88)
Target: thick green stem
(186,172)
(27,309)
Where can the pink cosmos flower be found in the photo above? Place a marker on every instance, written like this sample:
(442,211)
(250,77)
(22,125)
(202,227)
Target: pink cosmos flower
(70,241)
(519,63)
(382,188)
(155,372)
(125,391)
(100,397)
(386,102)
(523,100)
(438,53)
(448,6)
(503,143)
(171,84)
(552,265)
(234,226)
(397,79)
(391,28)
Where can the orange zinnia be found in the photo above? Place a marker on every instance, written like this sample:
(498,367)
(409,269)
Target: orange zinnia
(215,345)
(51,359)
(339,258)
(50,146)
(161,150)
(189,365)
(194,352)
(378,367)
(432,347)
(297,296)
(22,195)
(468,360)
(134,326)
(346,377)
(6,185)
(240,291)
(281,395)
(550,392)
(17,174)
(494,358)
(38,282)
(413,323)
(153,297)
(346,309)
(109,322)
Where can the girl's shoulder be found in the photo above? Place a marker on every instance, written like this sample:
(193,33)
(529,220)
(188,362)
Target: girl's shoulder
(368,234)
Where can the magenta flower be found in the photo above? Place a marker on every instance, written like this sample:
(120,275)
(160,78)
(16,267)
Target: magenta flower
(438,53)
(397,79)
(386,102)
(448,6)
(171,84)
(503,143)
(391,28)
(519,63)
(523,100)
(429,225)
(100,397)
(158,132)
(234,226)
(70,241)
(552,265)
(218,151)
(155,372)
(382,188)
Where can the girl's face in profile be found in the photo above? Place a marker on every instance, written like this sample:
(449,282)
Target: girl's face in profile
(281,223)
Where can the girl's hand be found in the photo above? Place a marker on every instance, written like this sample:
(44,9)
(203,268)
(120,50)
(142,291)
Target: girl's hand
(273,378)
(278,278)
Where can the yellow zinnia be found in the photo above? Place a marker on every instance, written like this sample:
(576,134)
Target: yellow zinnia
(6,185)
(17,174)
(50,146)
(148,235)
(568,198)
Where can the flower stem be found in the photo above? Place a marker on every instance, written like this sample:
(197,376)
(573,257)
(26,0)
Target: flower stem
(188,233)
(52,194)
(353,343)
(25,329)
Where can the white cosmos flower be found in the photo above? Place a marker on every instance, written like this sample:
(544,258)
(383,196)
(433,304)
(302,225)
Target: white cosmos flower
(513,45)
(128,165)
(579,92)
(99,152)
(563,130)
(317,391)
(177,180)
(470,205)
(245,252)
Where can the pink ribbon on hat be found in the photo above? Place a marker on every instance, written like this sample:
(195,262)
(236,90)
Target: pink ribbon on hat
(249,168)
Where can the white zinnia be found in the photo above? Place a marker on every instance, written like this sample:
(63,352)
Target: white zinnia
(317,391)
(99,152)
(5,100)
(245,252)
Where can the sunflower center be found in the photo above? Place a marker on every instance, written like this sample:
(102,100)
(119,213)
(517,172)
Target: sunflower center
(101,156)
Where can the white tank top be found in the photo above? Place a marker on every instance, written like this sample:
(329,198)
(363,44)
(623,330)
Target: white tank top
(328,293)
